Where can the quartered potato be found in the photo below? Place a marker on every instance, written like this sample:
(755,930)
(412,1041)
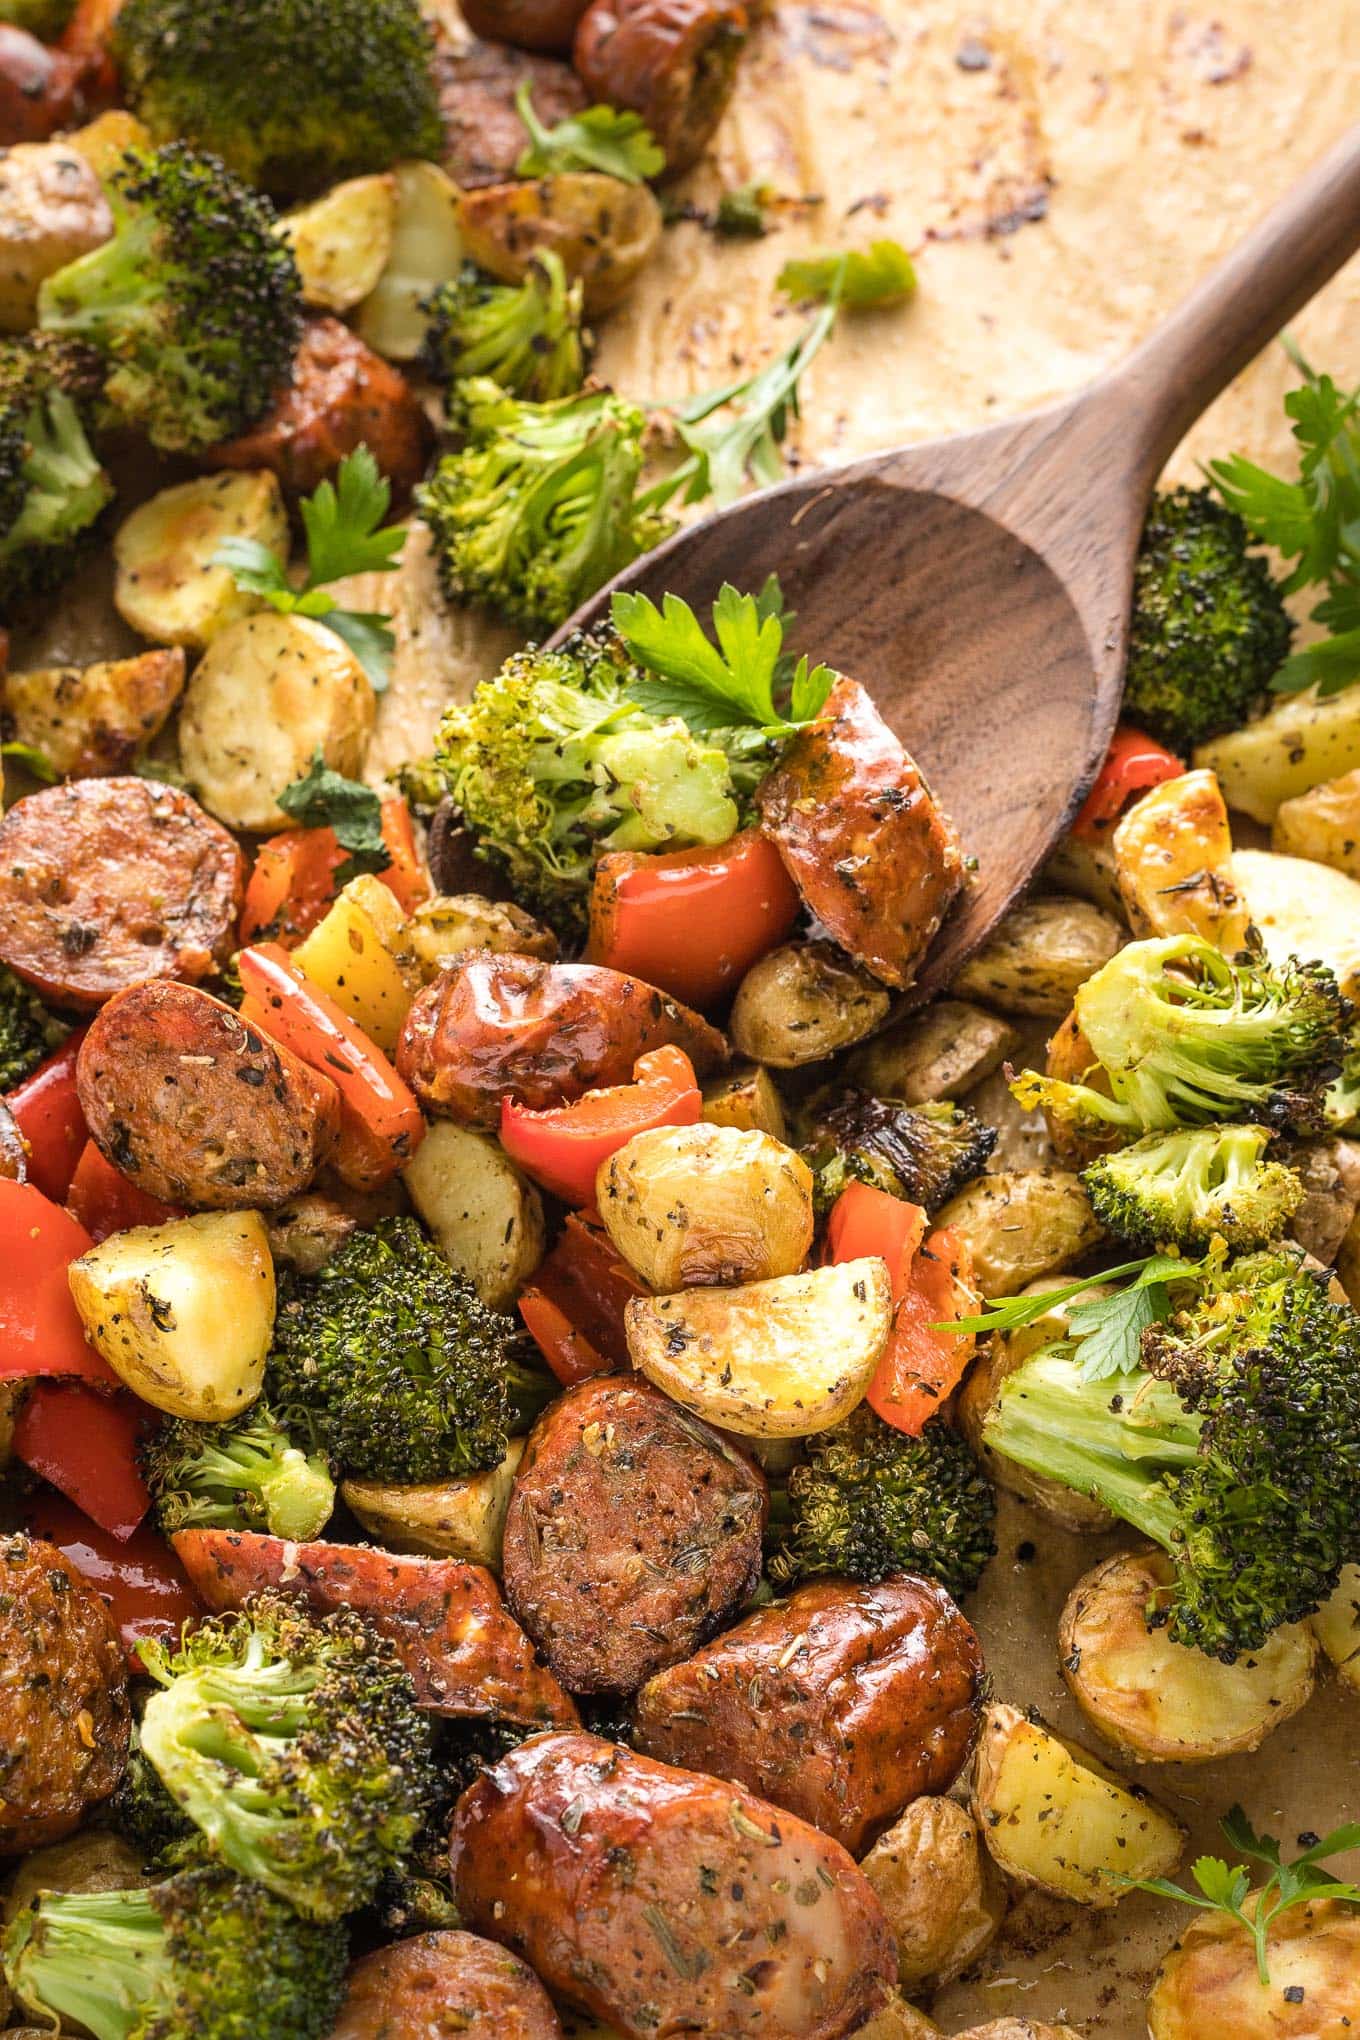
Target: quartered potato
(604,230)
(183,1312)
(1058,1818)
(1040,956)
(777,1359)
(1304,910)
(342,242)
(1021,1224)
(746,1097)
(52,210)
(1323,824)
(452,923)
(802,1002)
(443,1519)
(940,1890)
(706,1204)
(88,720)
(1208,1987)
(941,1052)
(486,1218)
(1336,1625)
(426,250)
(1157,1701)
(357,954)
(1296,744)
(1173,857)
(167,587)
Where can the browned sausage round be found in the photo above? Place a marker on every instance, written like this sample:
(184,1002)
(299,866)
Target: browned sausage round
(198,1108)
(108,882)
(493,1027)
(440,1984)
(842,1703)
(633,1531)
(530,24)
(40,88)
(484,136)
(64,1714)
(672,61)
(665,1902)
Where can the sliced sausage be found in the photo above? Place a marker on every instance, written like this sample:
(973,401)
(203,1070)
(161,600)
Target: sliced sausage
(342,395)
(466,1654)
(440,1984)
(529,24)
(633,1531)
(108,882)
(665,1902)
(196,1107)
(493,1027)
(42,89)
(672,61)
(875,857)
(64,1713)
(484,136)
(842,1703)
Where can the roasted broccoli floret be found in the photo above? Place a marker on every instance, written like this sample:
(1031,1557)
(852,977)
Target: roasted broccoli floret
(28,1032)
(524,336)
(204,1954)
(44,18)
(869,1501)
(924,1153)
(243,1476)
(295,1745)
(1235,1446)
(194,303)
(52,488)
(293,94)
(144,1814)
(393,1366)
(540,507)
(1186,1188)
(1183,1037)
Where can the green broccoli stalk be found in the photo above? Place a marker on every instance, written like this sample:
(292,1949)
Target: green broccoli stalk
(924,1153)
(204,1954)
(1235,1445)
(52,488)
(525,336)
(1209,626)
(44,18)
(869,1501)
(292,94)
(243,1476)
(1187,1188)
(28,1032)
(195,302)
(295,1745)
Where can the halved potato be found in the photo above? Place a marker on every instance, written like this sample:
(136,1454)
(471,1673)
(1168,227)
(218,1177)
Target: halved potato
(777,1359)
(1058,1818)
(939,1053)
(1208,1987)
(357,953)
(746,1097)
(183,1312)
(426,250)
(1296,744)
(444,1519)
(52,210)
(706,1204)
(605,231)
(487,1219)
(1323,824)
(87,720)
(1304,910)
(1085,868)
(166,586)
(1173,857)
(1336,1626)
(1040,956)
(939,1889)
(1021,1224)
(804,1001)
(1155,1700)
(342,242)
(451,923)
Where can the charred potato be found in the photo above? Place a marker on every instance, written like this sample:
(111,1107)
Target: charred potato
(426,250)
(168,586)
(1208,1987)
(92,720)
(486,1218)
(442,1519)
(449,924)
(52,210)
(342,242)
(939,1053)
(746,1098)
(802,1002)
(1297,744)
(940,1890)
(686,1205)
(1336,1626)
(1040,956)
(605,231)
(1323,824)
(1173,858)
(1022,1224)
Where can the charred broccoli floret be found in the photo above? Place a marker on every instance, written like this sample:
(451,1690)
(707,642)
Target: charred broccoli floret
(295,1745)
(52,488)
(1235,1446)
(524,336)
(28,1032)
(540,507)
(1186,1188)
(1209,623)
(293,94)
(144,1814)
(44,18)
(925,1153)
(194,303)
(205,1954)
(869,1501)
(393,1366)
(243,1476)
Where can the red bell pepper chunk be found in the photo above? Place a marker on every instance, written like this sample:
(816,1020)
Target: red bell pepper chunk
(293,882)
(85,1445)
(563,1147)
(866,1221)
(46,1110)
(1133,763)
(104,1200)
(40,1329)
(139,1578)
(574,1307)
(923,1361)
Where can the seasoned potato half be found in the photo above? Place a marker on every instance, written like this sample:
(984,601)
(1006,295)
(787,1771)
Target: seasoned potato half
(52,210)
(940,1890)
(802,1002)
(426,250)
(707,1204)
(1086,869)
(451,923)
(487,1219)
(746,1097)
(605,231)
(88,720)
(1208,1987)
(1157,1701)
(1323,824)
(1173,857)
(183,1312)
(1058,1818)
(777,1359)
(342,242)
(1021,1224)
(939,1053)
(443,1519)
(1296,744)
(166,585)
(358,953)
(1039,957)
(1305,910)
(1336,1626)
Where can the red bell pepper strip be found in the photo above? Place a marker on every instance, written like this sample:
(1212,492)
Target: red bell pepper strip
(40,1329)
(1133,763)
(293,882)
(865,1221)
(574,1307)
(563,1147)
(692,921)
(104,1200)
(925,1361)
(46,1110)
(85,1445)
(139,1578)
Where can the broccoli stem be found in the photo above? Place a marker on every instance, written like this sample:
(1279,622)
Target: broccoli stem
(123,280)
(296,1496)
(91,1962)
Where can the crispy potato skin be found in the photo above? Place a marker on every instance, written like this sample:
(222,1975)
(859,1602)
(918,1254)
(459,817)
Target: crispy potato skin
(91,721)
(484,136)
(633,1531)
(1040,956)
(64,1713)
(944,1898)
(529,24)
(198,1108)
(438,1984)
(107,883)
(665,1902)
(672,61)
(686,1205)
(841,1704)
(801,1003)
(52,209)
(493,1027)
(875,858)
(468,1658)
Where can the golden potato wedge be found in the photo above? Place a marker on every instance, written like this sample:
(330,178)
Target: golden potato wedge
(1322,825)
(804,1001)
(104,141)
(342,242)
(92,720)
(686,1205)
(777,1359)
(166,585)
(426,250)
(487,1218)
(1173,859)
(940,1890)
(1086,869)
(183,1312)
(1304,910)
(1155,1700)
(1208,1987)
(52,210)
(1040,956)
(1057,1817)
(1336,1625)
(443,1519)
(451,923)
(939,1053)
(605,231)
(746,1097)
(1021,1224)
(358,954)
(1296,744)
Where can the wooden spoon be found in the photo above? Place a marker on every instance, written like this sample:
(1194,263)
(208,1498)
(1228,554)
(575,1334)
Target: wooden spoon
(980,586)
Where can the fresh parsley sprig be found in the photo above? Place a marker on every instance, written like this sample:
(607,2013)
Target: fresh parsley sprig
(862,278)
(725,686)
(1226,1888)
(325,799)
(343,521)
(1106,1330)
(601,138)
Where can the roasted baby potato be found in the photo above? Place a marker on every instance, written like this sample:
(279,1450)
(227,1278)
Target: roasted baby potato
(308,1230)
(183,1312)
(1336,1626)
(1021,1224)
(941,1052)
(777,1359)
(357,953)
(1208,1987)
(94,1860)
(804,1001)
(451,923)
(93,720)
(486,1218)
(940,1890)
(167,587)
(426,250)
(707,1204)
(1040,956)
(1323,824)
(605,231)
(747,1098)
(1173,859)
(1157,1701)
(1058,1818)
(1304,910)
(1085,867)
(444,1519)
(1296,744)
(52,209)
(342,242)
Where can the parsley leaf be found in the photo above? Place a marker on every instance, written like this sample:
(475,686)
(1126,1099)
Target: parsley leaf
(1107,1330)
(602,138)
(324,799)
(723,686)
(882,274)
